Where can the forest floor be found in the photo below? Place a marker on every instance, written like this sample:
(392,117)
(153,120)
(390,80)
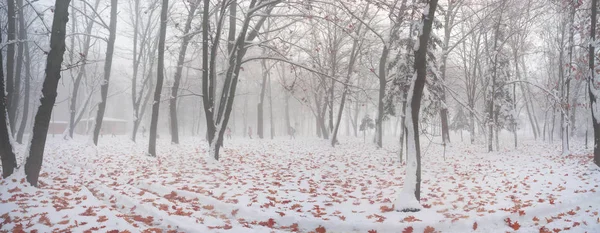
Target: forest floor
(302,185)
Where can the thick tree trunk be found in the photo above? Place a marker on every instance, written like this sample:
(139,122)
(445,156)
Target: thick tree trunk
(10,61)
(593,92)
(110,48)
(181,59)
(7,155)
(33,163)
(159,78)
(27,78)
(409,197)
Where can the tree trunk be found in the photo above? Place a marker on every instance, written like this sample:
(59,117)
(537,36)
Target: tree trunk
(33,163)
(270,110)
(260,106)
(380,104)
(18,71)
(27,83)
(593,92)
(159,78)
(10,61)
(288,124)
(177,78)
(80,74)
(110,48)
(7,155)
(409,197)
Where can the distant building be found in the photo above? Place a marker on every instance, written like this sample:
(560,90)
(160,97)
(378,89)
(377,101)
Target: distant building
(109,126)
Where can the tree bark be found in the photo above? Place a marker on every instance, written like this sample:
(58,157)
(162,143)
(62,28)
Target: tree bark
(10,62)
(27,81)
(107,69)
(33,163)
(177,78)
(593,91)
(412,182)
(159,78)
(7,155)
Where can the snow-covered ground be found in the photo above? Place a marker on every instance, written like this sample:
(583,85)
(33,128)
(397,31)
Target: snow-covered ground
(302,185)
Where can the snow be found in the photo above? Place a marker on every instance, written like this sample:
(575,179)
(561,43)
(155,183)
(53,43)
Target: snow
(281,185)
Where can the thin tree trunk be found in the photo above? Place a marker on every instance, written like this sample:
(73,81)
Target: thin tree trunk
(33,163)
(175,89)
(380,104)
(80,74)
(159,78)
(107,69)
(18,71)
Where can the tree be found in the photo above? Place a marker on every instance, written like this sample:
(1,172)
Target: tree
(217,115)
(27,78)
(144,49)
(7,155)
(187,36)
(408,199)
(10,64)
(159,77)
(82,71)
(33,164)
(592,89)
(110,48)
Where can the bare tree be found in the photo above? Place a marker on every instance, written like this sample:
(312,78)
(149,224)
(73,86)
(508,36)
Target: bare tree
(187,36)
(81,72)
(592,89)
(159,77)
(10,64)
(27,78)
(34,160)
(7,155)
(110,48)
(217,115)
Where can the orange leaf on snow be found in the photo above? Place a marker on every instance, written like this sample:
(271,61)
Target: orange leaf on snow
(321,229)
(515,226)
(372,231)
(270,223)
(411,219)
(88,212)
(234,212)
(16,189)
(385,208)
(102,218)
(45,220)
(429,229)
(545,230)
(536,219)
(208,207)
(475,226)
(63,222)
(408,230)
